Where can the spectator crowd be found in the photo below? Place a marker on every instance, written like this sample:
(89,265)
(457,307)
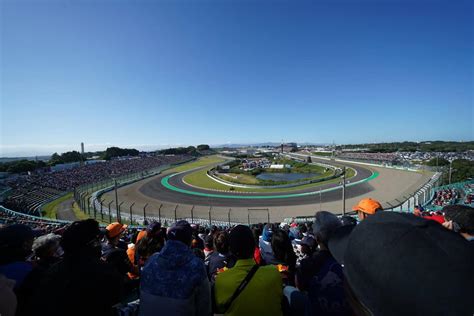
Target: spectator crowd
(375,263)
(446,196)
(43,186)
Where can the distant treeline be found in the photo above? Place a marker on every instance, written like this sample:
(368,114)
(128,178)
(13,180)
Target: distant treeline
(113,152)
(23,165)
(20,166)
(439,146)
(461,169)
(190,150)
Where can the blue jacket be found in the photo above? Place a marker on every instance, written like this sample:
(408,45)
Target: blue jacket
(174,282)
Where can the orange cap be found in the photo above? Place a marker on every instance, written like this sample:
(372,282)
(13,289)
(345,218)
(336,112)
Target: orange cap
(115,229)
(367,206)
(141,234)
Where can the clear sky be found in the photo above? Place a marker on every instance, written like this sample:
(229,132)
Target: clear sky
(149,74)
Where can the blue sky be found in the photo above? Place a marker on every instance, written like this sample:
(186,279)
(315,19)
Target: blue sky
(150,74)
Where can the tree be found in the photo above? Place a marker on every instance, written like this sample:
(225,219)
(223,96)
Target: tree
(434,162)
(203,147)
(71,156)
(309,160)
(22,166)
(113,152)
(462,170)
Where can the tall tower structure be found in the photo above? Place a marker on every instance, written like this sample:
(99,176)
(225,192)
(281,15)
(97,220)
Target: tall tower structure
(82,154)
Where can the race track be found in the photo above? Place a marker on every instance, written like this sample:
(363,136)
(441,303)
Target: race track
(389,185)
(155,189)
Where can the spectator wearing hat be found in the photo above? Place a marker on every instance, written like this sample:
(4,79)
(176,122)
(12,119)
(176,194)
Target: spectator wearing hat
(148,246)
(386,258)
(367,207)
(81,283)
(15,246)
(174,281)
(320,275)
(265,245)
(133,255)
(247,288)
(114,255)
(304,248)
(152,241)
(460,219)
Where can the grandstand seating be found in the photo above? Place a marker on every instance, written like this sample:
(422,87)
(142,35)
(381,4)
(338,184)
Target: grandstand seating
(30,192)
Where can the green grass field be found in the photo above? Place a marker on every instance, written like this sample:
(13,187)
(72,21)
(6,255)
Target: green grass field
(201,162)
(324,154)
(80,215)
(51,209)
(200,179)
(238,178)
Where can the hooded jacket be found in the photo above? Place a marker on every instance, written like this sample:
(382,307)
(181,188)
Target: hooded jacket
(174,282)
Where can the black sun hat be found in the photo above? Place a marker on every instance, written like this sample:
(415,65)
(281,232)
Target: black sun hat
(401,264)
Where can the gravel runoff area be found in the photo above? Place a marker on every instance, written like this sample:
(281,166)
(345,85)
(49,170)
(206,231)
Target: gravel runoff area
(389,185)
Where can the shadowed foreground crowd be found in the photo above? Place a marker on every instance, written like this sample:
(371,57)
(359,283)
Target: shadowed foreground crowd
(384,263)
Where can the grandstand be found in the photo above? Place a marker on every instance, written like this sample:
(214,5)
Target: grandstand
(30,192)
(451,194)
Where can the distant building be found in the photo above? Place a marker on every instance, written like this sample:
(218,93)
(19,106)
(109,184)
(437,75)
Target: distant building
(277,166)
(289,147)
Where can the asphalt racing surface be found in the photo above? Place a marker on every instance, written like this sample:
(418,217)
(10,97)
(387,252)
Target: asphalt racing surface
(186,194)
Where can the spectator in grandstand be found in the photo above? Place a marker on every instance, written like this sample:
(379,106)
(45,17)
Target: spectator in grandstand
(8,301)
(321,275)
(257,256)
(114,255)
(147,243)
(133,254)
(367,207)
(445,197)
(347,220)
(197,242)
(418,210)
(174,281)
(199,253)
(435,216)
(47,250)
(208,246)
(15,246)
(80,284)
(386,258)
(285,258)
(460,219)
(265,245)
(247,288)
(221,258)
(308,246)
(148,246)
